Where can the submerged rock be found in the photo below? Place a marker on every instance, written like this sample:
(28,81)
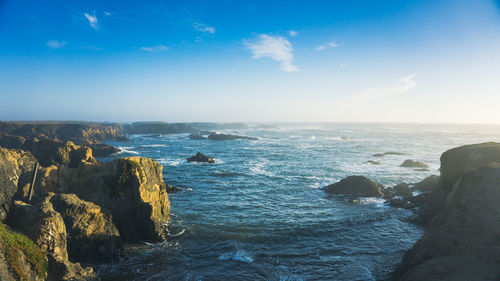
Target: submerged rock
(200,157)
(373,162)
(461,241)
(356,185)
(220,137)
(196,136)
(409,163)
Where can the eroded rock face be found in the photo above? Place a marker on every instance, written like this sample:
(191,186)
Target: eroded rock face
(16,168)
(356,185)
(56,152)
(92,236)
(461,242)
(46,227)
(131,189)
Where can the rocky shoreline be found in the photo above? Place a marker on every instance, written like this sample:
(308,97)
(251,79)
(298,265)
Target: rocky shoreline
(83,211)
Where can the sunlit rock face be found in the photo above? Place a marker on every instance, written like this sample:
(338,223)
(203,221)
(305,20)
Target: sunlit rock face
(461,242)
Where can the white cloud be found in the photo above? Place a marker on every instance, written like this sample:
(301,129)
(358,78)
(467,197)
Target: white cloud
(54,44)
(293,33)
(404,84)
(276,48)
(203,28)
(159,48)
(92,19)
(327,46)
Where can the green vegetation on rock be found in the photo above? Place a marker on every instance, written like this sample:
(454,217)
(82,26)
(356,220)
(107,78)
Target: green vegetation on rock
(13,243)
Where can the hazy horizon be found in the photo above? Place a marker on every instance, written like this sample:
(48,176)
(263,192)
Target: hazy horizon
(224,61)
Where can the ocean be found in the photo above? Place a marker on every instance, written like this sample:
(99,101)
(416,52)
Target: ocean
(259,212)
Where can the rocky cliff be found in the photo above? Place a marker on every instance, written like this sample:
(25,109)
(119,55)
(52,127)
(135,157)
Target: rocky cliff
(462,239)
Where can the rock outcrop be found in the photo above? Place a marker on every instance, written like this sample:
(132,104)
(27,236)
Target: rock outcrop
(196,136)
(16,168)
(409,163)
(130,189)
(92,236)
(461,241)
(357,186)
(202,158)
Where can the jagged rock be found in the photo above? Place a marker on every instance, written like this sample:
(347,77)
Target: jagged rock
(220,137)
(11,141)
(46,227)
(55,152)
(131,189)
(461,241)
(409,163)
(373,162)
(41,223)
(92,236)
(356,185)
(172,189)
(102,150)
(427,184)
(196,136)
(16,168)
(200,157)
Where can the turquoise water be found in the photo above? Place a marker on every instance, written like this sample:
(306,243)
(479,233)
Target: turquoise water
(259,212)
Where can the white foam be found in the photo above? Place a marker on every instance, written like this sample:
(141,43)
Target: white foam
(170,162)
(379,202)
(257,168)
(127,149)
(240,255)
(155,145)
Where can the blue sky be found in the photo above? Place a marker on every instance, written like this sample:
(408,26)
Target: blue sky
(328,61)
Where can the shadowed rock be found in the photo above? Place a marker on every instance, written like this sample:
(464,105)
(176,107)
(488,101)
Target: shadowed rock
(409,163)
(356,185)
(221,137)
(200,157)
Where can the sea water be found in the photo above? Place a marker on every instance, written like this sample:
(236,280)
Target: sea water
(259,212)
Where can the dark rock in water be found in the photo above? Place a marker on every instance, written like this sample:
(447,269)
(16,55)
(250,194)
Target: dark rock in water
(378,155)
(92,236)
(402,190)
(427,184)
(196,136)
(373,162)
(409,163)
(220,137)
(345,138)
(356,185)
(461,241)
(172,189)
(394,153)
(200,157)
(411,202)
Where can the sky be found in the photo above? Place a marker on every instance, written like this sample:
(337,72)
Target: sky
(251,61)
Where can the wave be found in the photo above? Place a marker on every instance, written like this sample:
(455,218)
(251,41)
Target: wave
(239,255)
(170,162)
(127,149)
(224,174)
(155,145)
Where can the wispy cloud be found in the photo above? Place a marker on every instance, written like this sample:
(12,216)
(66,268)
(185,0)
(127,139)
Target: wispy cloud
(92,20)
(293,33)
(54,44)
(158,48)
(203,28)
(403,85)
(107,13)
(328,45)
(274,47)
